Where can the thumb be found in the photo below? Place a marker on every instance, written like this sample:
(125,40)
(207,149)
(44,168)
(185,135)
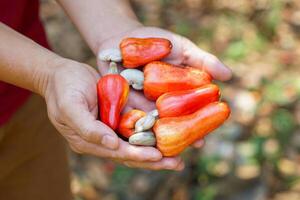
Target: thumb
(196,57)
(89,128)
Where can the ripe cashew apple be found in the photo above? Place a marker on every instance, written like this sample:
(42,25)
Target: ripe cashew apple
(137,52)
(174,134)
(178,103)
(128,120)
(161,77)
(113,92)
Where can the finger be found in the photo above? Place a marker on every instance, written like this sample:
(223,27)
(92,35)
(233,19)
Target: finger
(198,144)
(196,57)
(124,152)
(87,126)
(137,100)
(137,153)
(102,67)
(142,157)
(175,163)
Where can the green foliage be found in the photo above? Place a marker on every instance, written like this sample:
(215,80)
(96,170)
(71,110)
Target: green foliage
(283,91)
(182,27)
(207,193)
(274,16)
(258,44)
(284,124)
(206,34)
(258,143)
(237,50)
(205,162)
(122,175)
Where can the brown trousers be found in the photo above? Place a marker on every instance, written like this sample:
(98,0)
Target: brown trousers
(33,158)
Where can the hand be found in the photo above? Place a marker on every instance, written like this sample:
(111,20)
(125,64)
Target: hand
(184,52)
(71,99)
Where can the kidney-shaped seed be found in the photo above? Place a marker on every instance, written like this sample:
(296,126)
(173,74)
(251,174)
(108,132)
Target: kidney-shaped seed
(143,138)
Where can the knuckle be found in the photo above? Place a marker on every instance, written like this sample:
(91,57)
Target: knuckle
(57,120)
(77,145)
(119,155)
(135,156)
(62,106)
(130,153)
(212,59)
(86,133)
(183,40)
(76,149)
(115,156)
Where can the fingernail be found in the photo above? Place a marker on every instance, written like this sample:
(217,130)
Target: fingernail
(227,73)
(109,142)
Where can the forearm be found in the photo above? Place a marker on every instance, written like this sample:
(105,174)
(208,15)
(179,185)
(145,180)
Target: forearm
(23,62)
(98,20)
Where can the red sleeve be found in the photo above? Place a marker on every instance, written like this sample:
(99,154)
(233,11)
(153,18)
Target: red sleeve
(23,16)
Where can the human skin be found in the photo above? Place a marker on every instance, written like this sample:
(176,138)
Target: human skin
(69,86)
(69,89)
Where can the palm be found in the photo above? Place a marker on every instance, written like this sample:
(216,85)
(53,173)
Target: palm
(71,99)
(184,52)
(137,99)
(72,85)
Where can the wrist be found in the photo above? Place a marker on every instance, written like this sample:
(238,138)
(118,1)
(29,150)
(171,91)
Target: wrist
(42,74)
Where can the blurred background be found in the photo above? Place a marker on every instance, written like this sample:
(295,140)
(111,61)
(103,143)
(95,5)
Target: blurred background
(256,154)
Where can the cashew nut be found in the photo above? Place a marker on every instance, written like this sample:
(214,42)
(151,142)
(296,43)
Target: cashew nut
(110,55)
(145,123)
(134,77)
(143,138)
(154,113)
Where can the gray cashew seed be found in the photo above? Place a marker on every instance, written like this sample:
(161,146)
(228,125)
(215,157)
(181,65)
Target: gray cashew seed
(134,77)
(109,55)
(145,123)
(143,138)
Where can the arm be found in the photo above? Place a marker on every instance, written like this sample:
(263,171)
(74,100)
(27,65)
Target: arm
(26,64)
(98,20)
(16,64)
(103,23)
(70,94)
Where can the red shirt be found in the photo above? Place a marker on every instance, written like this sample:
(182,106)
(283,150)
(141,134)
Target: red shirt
(23,16)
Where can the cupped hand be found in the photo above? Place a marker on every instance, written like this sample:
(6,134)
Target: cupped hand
(184,52)
(71,99)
